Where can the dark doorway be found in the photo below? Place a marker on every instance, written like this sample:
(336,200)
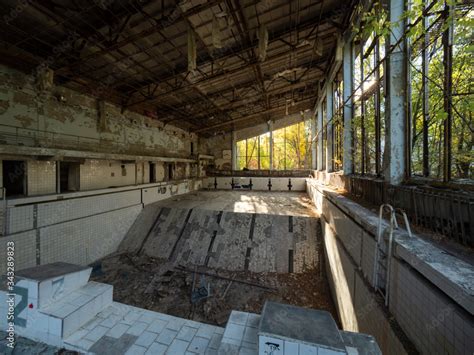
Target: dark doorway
(14,173)
(69,176)
(152,172)
(169,171)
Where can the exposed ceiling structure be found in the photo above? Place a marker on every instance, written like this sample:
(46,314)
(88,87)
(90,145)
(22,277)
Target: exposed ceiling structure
(135,53)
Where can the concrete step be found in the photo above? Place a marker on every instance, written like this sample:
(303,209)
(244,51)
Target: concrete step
(47,284)
(240,334)
(77,308)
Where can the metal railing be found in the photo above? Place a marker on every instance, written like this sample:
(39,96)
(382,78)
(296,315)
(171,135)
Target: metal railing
(383,249)
(443,212)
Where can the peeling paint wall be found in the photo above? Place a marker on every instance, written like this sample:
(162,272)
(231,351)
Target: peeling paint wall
(64,118)
(216,146)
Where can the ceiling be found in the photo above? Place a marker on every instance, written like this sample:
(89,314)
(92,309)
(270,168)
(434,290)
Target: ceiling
(135,53)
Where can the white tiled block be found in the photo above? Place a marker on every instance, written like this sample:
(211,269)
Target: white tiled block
(238,317)
(308,350)
(76,280)
(55,326)
(80,306)
(38,321)
(234,331)
(266,345)
(45,293)
(291,348)
(326,351)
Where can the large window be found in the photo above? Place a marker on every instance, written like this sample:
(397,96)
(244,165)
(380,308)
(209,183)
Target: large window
(291,149)
(247,153)
(368,96)
(338,121)
(440,65)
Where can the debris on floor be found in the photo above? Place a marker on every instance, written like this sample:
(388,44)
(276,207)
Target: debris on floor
(161,286)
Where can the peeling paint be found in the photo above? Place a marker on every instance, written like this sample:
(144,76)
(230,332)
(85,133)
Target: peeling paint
(24,120)
(4,105)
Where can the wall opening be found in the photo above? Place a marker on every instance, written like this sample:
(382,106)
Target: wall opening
(68,176)
(14,177)
(152,170)
(169,171)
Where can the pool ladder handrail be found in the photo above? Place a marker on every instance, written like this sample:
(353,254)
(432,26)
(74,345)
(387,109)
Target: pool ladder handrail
(393,224)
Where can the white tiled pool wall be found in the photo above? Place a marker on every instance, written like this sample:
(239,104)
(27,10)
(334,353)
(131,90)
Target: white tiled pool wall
(258,183)
(419,300)
(79,229)
(277,346)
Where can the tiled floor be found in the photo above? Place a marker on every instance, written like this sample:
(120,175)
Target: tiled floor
(123,329)
(274,203)
(233,230)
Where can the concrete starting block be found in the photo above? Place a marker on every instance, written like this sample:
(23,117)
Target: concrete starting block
(54,300)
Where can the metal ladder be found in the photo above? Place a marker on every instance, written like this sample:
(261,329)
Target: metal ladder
(3,212)
(383,250)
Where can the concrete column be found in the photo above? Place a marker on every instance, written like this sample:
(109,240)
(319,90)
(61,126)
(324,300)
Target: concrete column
(270,129)
(319,128)
(347,112)
(234,151)
(396,89)
(58,177)
(330,135)
(313,141)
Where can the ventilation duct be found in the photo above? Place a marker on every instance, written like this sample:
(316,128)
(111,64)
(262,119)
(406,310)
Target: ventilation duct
(262,42)
(191,50)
